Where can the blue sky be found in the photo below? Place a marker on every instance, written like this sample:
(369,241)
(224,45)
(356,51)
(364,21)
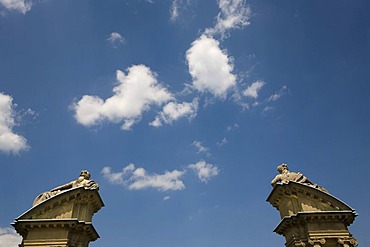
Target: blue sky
(181,110)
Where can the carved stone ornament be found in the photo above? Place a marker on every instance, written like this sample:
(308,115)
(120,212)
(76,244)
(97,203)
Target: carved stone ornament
(286,176)
(348,242)
(300,244)
(317,242)
(82,181)
(62,220)
(62,217)
(310,216)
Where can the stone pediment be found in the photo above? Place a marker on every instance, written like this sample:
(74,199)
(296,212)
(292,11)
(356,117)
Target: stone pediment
(292,198)
(76,203)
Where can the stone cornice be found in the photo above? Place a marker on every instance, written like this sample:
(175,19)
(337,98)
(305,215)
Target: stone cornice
(74,194)
(302,218)
(23,226)
(299,190)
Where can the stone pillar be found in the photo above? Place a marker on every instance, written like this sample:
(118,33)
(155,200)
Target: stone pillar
(311,217)
(64,220)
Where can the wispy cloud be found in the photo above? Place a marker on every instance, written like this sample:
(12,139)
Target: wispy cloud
(180,9)
(9,141)
(204,170)
(200,147)
(9,238)
(222,142)
(17,5)
(174,111)
(135,93)
(253,89)
(233,14)
(267,109)
(166,198)
(210,67)
(115,39)
(232,127)
(138,178)
(277,95)
(174,10)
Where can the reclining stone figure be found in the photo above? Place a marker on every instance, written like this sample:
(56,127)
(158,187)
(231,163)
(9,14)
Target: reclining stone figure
(82,181)
(285,176)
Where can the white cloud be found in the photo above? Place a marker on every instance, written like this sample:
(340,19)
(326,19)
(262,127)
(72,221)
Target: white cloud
(252,90)
(115,39)
(234,14)
(232,127)
(267,108)
(173,111)
(277,95)
(138,179)
(200,147)
(9,238)
(210,67)
(180,8)
(174,11)
(222,142)
(135,93)
(166,198)
(17,5)
(9,141)
(204,170)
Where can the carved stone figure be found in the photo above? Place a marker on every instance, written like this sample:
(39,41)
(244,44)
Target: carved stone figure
(82,181)
(285,176)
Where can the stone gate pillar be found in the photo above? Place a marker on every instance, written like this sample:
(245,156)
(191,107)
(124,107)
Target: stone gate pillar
(61,217)
(310,216)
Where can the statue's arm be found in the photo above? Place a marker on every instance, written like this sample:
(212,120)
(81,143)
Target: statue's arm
(64,186)
(91,185)
(275,180)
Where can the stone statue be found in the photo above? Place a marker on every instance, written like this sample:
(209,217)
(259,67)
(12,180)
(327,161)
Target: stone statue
(285,176)
(82,181)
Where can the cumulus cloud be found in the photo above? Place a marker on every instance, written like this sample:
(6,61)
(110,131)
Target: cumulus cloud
(174,111)
(253,89)
(9,141)
(115,39)
(138,179)
(17,5)
(210,67)
(204,170)
(233,14)
(9,238)
(135,93)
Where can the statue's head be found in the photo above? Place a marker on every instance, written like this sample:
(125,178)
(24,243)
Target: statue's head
(85,174)
(282,168)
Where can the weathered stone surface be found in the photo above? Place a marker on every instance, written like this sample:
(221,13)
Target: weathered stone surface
(82,181)
(311,216)
(286,176)
(62,220)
